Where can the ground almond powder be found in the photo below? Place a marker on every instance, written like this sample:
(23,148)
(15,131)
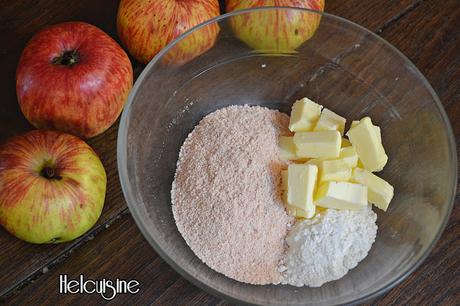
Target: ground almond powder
(226,195)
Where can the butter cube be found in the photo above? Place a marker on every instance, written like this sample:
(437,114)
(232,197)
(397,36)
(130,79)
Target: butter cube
(291,211)
(380,192)
(300,213)
(323,144)
(376,129)
(301,185)
(320,210)
(315,161)
(284,185)
(330,121)
(378,133)
(334,170)
(349,156)
(287,148)
(304,115)
(341,195)
(296,212)
(318,163)
(368,146)
(345,142)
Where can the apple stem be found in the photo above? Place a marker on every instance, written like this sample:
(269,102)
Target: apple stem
(49,173)
(68,58)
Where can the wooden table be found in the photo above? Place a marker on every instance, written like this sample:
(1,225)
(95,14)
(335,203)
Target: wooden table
(427,31)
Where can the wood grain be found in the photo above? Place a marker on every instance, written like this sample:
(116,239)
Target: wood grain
(430,37)
(124,252)
(18,23)
(370,14)
(425,31)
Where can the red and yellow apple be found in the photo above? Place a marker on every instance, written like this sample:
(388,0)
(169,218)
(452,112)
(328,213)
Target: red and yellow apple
(73,77)
(146,26)
(52,186)
(276,31)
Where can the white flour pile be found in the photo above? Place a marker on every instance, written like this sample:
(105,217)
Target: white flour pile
(226,194)
(324,248)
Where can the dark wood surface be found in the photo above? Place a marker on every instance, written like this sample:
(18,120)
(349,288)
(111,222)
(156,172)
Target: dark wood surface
(428,32)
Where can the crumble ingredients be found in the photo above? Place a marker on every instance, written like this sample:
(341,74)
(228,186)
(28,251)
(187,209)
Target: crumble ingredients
(227,201)
(226,196)
(326,247)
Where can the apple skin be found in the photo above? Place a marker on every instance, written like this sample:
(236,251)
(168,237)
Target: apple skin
(147,26)
(52,186)
(83,98)
(277,32)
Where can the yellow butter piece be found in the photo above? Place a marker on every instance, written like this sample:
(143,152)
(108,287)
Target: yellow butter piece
(376,129)
(368,146)
(345,142)
(341,195)
(287,148)
(314,161)
(334,170)
(304,115)
(292,211)
(323,144)
(300,213)
(380,192)
(326,126)
(328,120)
(349,156)
(284,185)
(378,133)
(320,209)
(301,185)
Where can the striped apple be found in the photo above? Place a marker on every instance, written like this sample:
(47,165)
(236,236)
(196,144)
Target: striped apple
(275,31)
(73,77)
(52,186)
(146,26)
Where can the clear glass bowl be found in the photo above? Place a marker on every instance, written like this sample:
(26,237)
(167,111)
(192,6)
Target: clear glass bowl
(343,67)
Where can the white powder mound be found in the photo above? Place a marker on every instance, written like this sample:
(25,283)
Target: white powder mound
(324,248)
(227,196)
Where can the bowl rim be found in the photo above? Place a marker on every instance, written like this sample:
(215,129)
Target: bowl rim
(122,146)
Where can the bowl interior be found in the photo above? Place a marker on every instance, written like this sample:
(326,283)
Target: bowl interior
(343,67)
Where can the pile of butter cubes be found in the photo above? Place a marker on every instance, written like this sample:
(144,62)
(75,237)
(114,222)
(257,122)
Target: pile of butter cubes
(328,170)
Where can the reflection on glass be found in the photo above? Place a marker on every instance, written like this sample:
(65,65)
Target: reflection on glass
(275,31)
(193,45)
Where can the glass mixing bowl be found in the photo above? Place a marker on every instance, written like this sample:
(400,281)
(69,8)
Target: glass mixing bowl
(343,67)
